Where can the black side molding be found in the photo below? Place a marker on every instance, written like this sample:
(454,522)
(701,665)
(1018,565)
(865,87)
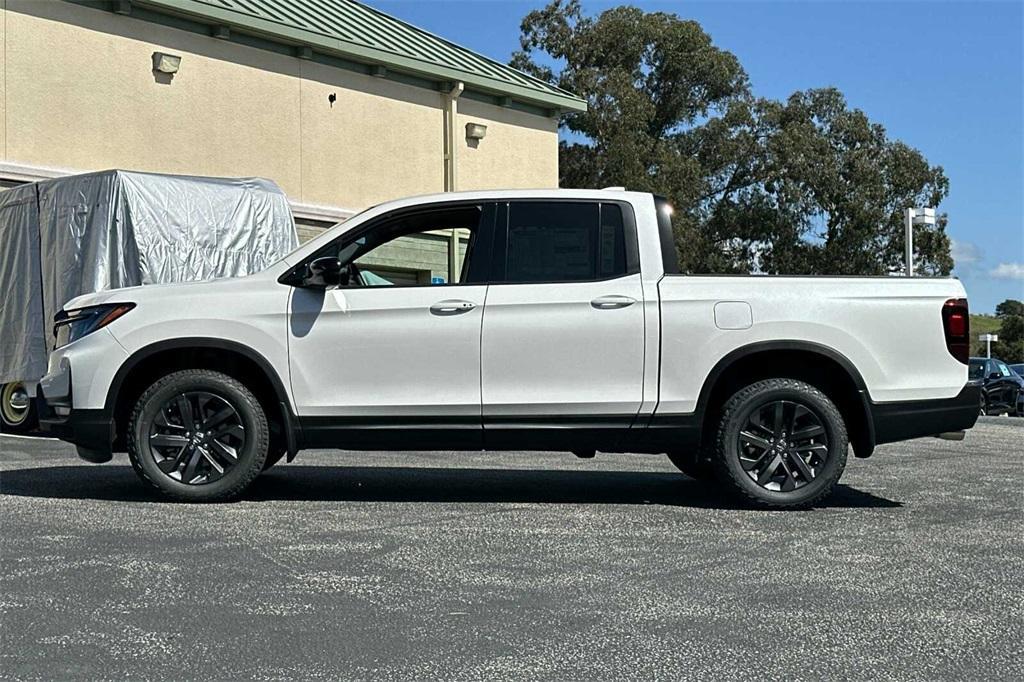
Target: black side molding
(918,418)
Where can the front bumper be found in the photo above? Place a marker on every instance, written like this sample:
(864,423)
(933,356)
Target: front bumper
(918,418)
(89,429)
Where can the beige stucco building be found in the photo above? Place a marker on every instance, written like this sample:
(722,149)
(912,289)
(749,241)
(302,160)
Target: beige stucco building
(341,105)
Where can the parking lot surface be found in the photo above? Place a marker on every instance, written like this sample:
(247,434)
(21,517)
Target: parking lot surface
(417,566)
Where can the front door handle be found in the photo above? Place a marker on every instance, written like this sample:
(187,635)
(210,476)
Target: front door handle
(451,307)
(612,302)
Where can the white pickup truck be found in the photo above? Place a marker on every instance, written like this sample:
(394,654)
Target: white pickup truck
(567,327)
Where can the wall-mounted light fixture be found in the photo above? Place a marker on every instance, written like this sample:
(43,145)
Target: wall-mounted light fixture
(166,63)
(475,131)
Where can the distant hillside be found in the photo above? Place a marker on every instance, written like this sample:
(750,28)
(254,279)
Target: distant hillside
(984,324)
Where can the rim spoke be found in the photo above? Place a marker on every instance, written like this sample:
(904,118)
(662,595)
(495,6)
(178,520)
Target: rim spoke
(218,417)
(755,464)
(226,450)
(168,440)
(212,460)
(190,468)
(235,430)
(163,422)
(755,440)
(789,482)
(802,467)
(808,432)
(777,418)
(769,471)
(185,412)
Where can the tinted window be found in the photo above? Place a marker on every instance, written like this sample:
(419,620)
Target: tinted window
(976,369)
(563,241)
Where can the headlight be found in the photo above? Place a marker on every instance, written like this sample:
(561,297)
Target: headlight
(71,325)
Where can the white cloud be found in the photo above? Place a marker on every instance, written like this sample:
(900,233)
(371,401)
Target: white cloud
(1008,271)
(965,254)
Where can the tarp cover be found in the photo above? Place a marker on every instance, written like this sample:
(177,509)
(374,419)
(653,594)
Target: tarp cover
(69,236)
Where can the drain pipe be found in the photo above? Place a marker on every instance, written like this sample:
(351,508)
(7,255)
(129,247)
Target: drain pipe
(451,115)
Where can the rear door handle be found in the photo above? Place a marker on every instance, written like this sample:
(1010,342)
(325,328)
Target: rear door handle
(452,307)
(612,302)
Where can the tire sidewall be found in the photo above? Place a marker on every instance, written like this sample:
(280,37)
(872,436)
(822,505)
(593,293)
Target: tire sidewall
(251,457)
(824,409)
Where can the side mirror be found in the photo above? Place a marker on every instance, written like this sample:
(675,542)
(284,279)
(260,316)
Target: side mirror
(994,375)
(323,272)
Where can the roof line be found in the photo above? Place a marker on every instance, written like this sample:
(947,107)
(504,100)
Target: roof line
(414,27)
(550,96)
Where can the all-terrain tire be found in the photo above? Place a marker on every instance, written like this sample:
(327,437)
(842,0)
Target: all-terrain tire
(251,456)
(734,416)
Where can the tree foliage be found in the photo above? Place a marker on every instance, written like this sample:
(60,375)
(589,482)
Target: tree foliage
(803,186)
(1010,346)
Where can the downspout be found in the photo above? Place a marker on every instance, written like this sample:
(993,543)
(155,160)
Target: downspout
(451,114)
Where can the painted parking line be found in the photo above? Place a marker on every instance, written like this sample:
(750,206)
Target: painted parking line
(15,435)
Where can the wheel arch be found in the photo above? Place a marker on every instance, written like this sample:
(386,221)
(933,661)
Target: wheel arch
(821,366)
(234,359)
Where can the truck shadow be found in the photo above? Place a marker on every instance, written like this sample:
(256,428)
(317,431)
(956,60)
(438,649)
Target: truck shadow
(415,484)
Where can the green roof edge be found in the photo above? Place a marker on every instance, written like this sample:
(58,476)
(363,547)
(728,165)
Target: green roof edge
(281,33)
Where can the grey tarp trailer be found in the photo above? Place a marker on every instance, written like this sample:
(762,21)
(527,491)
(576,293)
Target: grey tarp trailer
(78,234)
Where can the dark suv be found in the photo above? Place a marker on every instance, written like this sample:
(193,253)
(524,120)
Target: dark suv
(1002,390)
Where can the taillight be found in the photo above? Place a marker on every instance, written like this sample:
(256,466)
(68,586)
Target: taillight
(956,322)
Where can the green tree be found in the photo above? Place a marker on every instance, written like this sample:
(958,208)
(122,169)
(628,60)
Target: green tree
(1010,347)
(802,186)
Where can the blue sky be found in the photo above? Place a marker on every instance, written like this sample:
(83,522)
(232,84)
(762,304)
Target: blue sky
(945,77)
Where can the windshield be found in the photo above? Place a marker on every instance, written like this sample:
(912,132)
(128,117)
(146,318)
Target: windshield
(976,370)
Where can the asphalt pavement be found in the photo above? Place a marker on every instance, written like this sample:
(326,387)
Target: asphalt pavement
(511,566)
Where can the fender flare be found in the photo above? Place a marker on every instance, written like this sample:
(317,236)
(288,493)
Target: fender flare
(291,429)
(866,446)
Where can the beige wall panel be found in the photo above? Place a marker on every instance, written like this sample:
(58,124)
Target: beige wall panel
(81,94)
(520,150)
(3,82)
(380,140)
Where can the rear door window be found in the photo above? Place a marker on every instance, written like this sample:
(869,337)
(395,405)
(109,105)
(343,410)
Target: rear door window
(549,241)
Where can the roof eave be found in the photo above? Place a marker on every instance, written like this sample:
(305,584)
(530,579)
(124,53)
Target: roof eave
(281,33)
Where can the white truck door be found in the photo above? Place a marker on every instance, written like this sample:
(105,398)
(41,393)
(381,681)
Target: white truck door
(374,352)
(563,328)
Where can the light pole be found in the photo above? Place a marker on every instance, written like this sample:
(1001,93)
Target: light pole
(915,216)
(988,339)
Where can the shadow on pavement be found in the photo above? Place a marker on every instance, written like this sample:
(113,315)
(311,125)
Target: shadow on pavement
(414,484)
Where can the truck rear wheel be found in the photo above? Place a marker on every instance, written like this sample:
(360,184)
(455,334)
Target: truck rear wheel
(780,444)
(198,435)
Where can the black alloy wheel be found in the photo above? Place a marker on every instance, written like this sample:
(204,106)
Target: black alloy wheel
(780,444)
(783,445)
(196,437)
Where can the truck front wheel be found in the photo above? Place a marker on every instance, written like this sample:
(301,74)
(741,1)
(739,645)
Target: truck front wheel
(198,435)
(780,444)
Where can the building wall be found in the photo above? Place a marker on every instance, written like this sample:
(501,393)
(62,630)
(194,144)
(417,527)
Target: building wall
(3,80)
(80,94)
(519,151)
